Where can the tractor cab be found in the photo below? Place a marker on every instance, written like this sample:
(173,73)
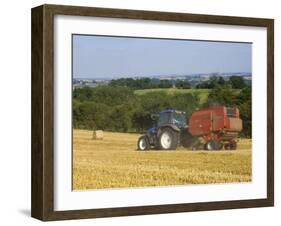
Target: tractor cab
(172,117)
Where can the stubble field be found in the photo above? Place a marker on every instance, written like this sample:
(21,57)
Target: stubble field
(114,163)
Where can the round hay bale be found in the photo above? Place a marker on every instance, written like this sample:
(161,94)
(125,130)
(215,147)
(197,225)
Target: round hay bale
(98,135)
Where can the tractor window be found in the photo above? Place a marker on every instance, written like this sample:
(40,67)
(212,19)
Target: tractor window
(164,119)
(179,119)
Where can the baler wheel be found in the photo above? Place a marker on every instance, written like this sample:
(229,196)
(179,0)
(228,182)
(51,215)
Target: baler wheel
(213,145)
(230,146)
(233,146)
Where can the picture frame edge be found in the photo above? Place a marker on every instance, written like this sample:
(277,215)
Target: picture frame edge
(36,112)
(42,193)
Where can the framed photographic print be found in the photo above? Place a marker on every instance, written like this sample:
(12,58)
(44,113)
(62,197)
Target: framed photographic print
(141,112)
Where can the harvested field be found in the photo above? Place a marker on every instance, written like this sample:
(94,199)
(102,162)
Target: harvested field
(114,163)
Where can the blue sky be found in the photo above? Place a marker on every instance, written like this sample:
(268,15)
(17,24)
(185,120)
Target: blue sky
(112,57)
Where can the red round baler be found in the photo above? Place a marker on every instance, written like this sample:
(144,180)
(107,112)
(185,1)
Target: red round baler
(216,127)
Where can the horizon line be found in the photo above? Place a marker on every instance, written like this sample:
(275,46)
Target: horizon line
(220,74)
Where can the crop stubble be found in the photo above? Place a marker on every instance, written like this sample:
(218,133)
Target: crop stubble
(114,163)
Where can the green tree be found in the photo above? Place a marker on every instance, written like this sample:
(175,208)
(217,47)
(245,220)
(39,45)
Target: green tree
(211,83)
(244,101)
(121,119)
(83,115)
(222,95)
(183,84)
(237,82)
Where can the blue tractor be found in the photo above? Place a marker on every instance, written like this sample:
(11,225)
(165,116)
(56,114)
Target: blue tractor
(170,131)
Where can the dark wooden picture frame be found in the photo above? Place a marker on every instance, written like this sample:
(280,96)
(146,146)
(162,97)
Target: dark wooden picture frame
(42,203)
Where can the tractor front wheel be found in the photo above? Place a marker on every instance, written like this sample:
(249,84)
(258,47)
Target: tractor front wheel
(168,139)
(143,143)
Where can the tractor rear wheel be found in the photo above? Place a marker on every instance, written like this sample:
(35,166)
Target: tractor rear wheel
(213,145)
(187,140)
(168,139)
(143,143)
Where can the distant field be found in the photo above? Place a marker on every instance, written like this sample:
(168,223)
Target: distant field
(203,93)
(115,163)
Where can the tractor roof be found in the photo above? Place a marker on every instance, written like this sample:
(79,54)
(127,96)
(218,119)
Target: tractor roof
(171,110)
